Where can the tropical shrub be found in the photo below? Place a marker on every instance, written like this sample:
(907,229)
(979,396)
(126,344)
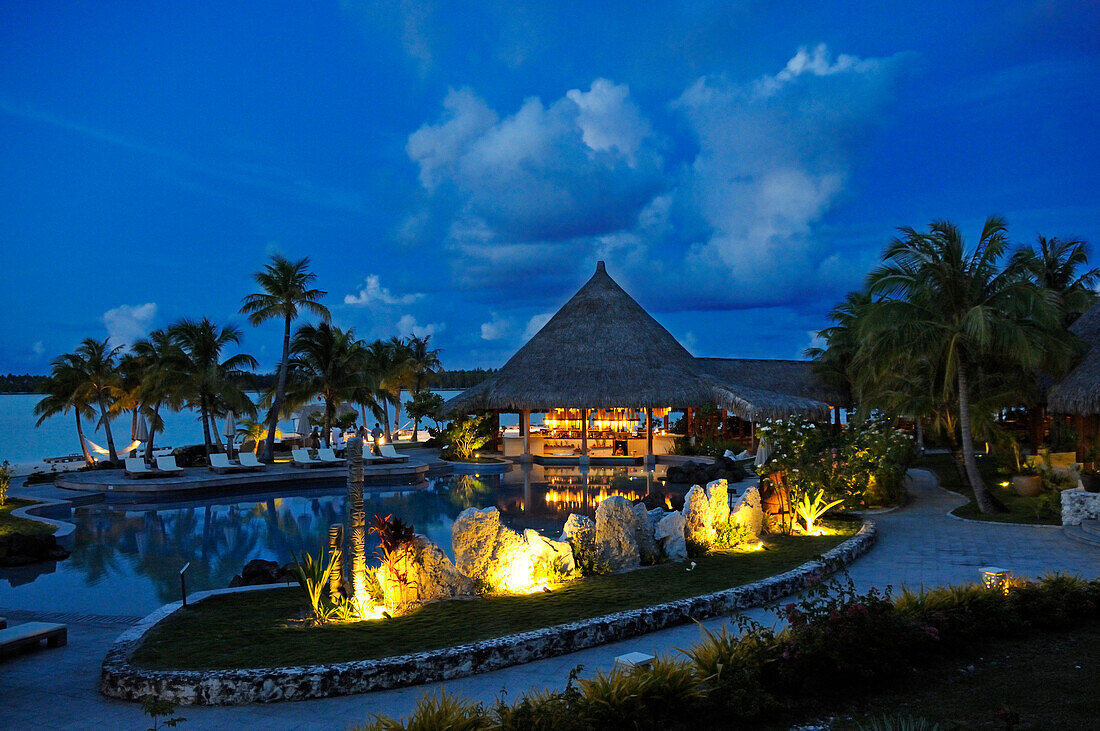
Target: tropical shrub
(731,534)
(463,437)
(312,576)
(5,482)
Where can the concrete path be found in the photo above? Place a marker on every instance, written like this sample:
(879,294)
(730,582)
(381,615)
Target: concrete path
(919,545)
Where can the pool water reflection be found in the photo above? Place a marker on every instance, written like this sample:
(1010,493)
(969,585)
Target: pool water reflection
(126,557)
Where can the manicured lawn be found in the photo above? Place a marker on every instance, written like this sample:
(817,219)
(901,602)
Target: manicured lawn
(1035,510)
(1048,680)
(10,524)
(255,629)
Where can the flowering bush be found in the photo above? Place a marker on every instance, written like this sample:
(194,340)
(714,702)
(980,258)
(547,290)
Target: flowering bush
(863,465)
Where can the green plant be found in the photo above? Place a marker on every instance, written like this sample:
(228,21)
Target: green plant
(812,508)
(465,436)
(900,722)
(652,697)
(433,712)
(731,534)
(155,708)
(551,573)
(697,549)
(312,576)
(5,482)
(589,561)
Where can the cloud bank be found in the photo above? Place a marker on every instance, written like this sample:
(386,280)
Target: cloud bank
(127,324)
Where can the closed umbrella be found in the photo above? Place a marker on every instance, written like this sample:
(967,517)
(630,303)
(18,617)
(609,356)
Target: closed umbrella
(142,432)
(763,453)
(230,431)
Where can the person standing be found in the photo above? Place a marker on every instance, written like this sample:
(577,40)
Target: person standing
(376,434)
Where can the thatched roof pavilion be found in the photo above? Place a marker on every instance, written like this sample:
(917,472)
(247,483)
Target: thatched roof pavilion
(603,350)
(1079,392)
(794,378)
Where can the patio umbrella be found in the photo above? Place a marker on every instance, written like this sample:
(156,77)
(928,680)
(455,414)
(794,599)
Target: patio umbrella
(763,453)
(230,431)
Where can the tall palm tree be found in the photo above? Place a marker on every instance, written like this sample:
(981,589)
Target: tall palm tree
(1057,265)
(381,379)
(209,383)
(325,361)
(91,372)
(424,367)
(160,363)
(399,375)
(963,307)
(286,292)
(833,363)
(64,390)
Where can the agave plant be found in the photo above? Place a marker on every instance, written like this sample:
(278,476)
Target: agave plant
(312,575)
(812,506)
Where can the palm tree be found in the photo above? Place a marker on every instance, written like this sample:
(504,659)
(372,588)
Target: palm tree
(399,375)
(250,429)
(84,378)
(160,363)
(325,361)
(208,383)
(286,291)
(833,363)
(380,378)
(424,367)
(64,389)
(1055,265)
(963,308)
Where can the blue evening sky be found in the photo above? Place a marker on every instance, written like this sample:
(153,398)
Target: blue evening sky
(458,168)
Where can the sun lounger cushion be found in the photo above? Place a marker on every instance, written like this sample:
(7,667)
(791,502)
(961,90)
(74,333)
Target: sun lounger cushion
(248,459)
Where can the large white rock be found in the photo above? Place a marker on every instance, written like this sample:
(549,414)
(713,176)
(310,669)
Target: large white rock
(644,535)
(748,511)
(670,536)
(698,525)
(488,552)
(578,530)
(615,533)
(718,496)
(420,571)
(546,553)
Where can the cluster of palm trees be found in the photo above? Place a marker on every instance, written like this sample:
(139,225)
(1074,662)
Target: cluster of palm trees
(185,366)
(950,336)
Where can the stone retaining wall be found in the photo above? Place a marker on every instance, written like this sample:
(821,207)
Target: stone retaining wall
(120,679)
(1078,505)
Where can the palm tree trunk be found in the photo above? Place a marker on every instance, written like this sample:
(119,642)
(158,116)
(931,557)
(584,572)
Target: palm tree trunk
(328,424)
(217,437)
(397,410)
(280,390)
(80,434)
(152,433)
(986,502)
(386,418)
(205,426)
(133,430)
(112,454)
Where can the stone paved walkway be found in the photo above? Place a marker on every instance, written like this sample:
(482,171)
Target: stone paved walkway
(918,545)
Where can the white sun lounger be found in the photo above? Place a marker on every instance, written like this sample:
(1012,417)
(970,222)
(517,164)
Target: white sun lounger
(389,453)
(301,458)
(136,468)
(167,466)
(221,463)
(329,456)
(248,459)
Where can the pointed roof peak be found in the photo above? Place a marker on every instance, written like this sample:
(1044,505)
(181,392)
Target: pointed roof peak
(600,267)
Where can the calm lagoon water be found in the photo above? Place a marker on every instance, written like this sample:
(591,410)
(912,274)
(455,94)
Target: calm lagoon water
(56,437)
(127,556)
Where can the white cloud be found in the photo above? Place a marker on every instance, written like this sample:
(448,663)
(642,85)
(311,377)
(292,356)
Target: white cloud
(38,348)
(126,324)
(584,165)
(535,324)
(373,292)
(407,326)
(496,328)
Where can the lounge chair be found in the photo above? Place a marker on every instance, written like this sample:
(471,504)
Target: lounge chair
(301,458)
(221,464)
(390,454)
(136,468)
(167,466)
(329,456)
(249,461)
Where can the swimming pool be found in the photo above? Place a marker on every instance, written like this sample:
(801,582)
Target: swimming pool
(126,557)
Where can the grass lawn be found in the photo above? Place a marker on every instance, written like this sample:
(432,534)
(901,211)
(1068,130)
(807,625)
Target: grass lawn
(1048,680)
(253,629)
(1035,510)
(9,524)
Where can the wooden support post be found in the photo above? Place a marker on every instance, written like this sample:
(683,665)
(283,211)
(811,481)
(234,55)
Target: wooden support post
(525,429)
(649,458)
(584,436)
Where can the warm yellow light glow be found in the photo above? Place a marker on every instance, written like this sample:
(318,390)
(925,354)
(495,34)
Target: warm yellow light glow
(1004,484)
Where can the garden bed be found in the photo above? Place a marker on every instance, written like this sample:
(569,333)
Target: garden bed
(251,631)
(1036,510)
(12,524)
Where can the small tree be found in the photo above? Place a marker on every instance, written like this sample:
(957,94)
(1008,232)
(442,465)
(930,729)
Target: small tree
(426,405)
(5,482)
(466,436)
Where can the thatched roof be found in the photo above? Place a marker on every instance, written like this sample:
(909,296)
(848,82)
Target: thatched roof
(1079,391)
(790,377)
(603,350)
